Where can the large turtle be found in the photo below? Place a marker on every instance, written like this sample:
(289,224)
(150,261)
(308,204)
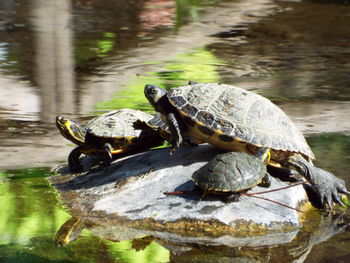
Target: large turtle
(231,173)
(235,119)
(109,134)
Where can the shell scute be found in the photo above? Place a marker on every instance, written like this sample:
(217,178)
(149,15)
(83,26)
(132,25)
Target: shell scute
(117,123)
(189,110)
(179,101)
(233,171)
(206,118)
(226,127)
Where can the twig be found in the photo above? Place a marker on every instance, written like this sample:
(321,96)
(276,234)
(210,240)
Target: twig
(252,194)
(276,202)
(274,190)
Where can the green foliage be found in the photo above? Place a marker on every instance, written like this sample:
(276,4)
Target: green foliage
(200,65)
(90,49)
(105,45)
(132,96)
(31,215)
(189,10)
(153,252)
(28,209)
(345,201)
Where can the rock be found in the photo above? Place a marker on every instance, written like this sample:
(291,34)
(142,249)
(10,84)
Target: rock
(130,194)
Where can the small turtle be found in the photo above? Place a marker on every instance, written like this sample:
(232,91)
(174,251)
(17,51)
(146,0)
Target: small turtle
(235,119)
(109,134)
(231,173)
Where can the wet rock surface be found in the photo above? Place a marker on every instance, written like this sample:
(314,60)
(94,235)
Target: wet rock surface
(130,194)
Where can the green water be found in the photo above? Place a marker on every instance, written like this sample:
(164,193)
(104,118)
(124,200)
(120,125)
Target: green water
(30,216)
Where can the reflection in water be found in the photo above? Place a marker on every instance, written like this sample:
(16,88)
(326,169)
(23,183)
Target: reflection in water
(292,247)
(143,249)
(289,57)
(69,231)
(52,20)
(31,218)
(28,207)
(157,13)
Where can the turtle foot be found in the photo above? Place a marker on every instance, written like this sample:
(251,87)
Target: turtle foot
(176,136)
(328,187)
(175,145)
(74,161)
(107,155)
(232,197)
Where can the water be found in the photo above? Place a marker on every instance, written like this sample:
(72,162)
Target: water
(81,58)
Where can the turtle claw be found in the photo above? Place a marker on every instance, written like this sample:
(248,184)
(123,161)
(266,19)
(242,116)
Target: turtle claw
(328,187)
(107,155)
(329,201)
(341,187)
(343,191)
(337,199)
(173,149)
(176,144)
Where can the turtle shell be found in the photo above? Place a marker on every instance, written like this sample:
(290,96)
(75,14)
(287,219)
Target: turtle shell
(230,172)
(116,124)
(234,115)
(156,125)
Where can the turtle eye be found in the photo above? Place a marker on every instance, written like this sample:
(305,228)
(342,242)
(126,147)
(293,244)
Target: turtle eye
(153,91)
(154,94)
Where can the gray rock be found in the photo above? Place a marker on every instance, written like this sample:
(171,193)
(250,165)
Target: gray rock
(130,194)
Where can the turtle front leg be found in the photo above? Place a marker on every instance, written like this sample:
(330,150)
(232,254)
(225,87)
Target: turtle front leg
(266,181)
(326,185)
(232,197)
(107,154)
(174,127)
(73,160)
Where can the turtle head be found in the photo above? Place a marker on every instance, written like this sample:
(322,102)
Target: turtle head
(264,155)
(70,130)
(157,97)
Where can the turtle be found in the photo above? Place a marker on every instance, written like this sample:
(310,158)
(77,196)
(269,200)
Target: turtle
(232,173)
(157,125)
(235,119)
(109,134)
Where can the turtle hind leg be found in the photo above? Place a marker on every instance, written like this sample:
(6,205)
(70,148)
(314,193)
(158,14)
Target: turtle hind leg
(326,185)
(73,160)
(203,195)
